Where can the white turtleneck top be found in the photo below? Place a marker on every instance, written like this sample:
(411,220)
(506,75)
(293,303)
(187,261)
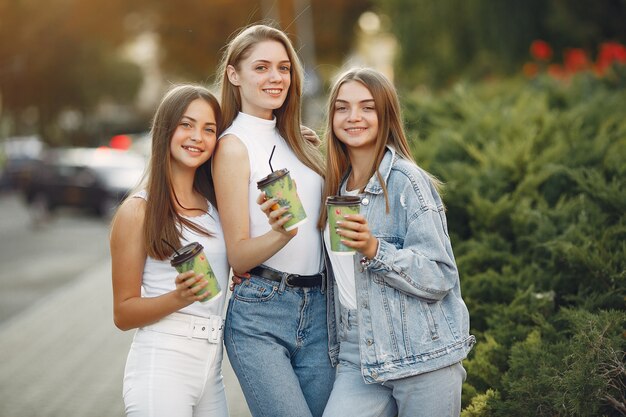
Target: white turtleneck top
(303,254)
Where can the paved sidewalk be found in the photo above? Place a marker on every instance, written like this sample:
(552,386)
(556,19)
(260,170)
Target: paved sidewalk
(63,357)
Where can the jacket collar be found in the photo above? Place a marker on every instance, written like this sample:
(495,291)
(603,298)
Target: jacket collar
(374,186)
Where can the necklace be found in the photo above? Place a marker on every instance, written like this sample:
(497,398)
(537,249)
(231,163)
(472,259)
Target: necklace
(192,209)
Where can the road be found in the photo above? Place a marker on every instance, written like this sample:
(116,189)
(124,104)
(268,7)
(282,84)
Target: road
(61,354)
(37,261)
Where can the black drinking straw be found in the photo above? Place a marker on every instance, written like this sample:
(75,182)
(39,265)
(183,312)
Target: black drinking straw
(170,245)
(270,161)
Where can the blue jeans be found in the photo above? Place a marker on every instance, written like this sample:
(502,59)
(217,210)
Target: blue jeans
(436,393)
(277,342)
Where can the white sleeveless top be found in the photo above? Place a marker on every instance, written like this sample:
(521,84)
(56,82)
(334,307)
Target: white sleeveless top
(159,276)
(303,254)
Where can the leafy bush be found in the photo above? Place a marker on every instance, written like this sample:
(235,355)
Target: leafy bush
(534,175)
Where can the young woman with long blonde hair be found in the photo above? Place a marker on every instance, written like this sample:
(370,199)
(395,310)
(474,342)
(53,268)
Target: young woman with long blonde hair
(275,334)
(398,326)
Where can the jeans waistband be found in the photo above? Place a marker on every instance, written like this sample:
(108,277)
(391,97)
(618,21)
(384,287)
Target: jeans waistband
(190,326)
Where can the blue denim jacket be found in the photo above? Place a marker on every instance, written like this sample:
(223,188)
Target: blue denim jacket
(411,316)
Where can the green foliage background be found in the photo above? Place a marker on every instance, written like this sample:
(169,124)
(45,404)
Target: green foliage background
(534,178)
(442,41)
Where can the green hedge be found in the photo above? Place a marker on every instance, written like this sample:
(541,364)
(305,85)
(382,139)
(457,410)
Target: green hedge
(534,174)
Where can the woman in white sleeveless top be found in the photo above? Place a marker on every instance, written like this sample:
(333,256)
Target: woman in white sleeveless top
(275,334)
(174,364)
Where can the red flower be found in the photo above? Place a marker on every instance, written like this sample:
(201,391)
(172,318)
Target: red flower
(619,52)
(338,212)
(557,71)
(541,50)
(610,52)
(530,69)
(575,60)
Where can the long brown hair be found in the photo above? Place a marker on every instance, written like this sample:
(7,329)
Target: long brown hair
(162,221)
(390,131)
(288,116)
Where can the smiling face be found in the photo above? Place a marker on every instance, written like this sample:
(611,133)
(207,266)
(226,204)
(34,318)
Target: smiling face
(355,120)
(195,137)
(263,79)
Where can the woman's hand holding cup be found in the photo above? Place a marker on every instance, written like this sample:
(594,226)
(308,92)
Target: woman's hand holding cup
(356,228)
(189,284)
(276,215)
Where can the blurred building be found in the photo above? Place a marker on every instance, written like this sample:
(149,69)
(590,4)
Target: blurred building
(144,51)
(375,46)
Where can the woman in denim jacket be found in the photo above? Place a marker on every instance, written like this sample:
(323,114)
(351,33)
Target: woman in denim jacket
(398,326)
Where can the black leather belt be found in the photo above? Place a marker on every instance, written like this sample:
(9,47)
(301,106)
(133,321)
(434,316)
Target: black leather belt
(292,280)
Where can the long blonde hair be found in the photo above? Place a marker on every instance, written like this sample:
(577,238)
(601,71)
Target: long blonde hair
(288,116)
(162,220)
(390,131)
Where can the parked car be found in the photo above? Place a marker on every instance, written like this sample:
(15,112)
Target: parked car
(17,157)
(142,143)
(95,179)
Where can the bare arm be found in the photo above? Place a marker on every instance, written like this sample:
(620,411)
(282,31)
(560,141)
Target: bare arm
(231,173)
(128,255)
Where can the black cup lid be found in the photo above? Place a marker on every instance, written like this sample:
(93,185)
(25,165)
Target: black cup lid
(343,200)
(274,176)
(186,253)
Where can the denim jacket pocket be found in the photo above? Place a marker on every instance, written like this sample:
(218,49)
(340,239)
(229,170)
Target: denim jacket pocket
(430,320)
(255,290)
(444,221)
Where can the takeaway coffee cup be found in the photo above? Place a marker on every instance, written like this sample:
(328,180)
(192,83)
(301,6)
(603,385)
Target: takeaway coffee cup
(192,256)
(338,206)
(280,186)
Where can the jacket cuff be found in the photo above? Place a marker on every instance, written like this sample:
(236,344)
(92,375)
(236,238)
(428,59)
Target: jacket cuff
(378,261)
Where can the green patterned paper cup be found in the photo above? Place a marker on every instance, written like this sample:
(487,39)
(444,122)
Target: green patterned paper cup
(280,186)
(338,206)
(192,256)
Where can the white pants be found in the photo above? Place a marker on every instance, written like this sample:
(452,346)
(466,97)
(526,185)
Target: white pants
(169,375)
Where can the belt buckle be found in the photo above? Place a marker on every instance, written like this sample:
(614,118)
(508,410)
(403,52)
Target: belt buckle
(289,277)
(216,325)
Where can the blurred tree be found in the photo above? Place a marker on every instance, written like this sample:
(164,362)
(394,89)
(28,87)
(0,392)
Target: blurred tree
(335,22)
(585,23)
(442,40)
(431,34)
(192,42)
(61,56)
(192,34)
(66,55)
